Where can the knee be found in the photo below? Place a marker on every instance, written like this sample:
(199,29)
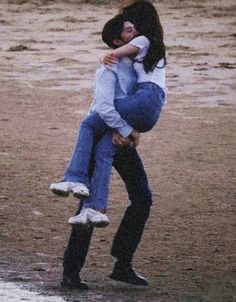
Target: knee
(141,197)
(143,205)
(146,198)
(91,121)
(105,155)
(86,123)
(139,212)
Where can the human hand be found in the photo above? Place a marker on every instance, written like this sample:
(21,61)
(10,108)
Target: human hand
(135,135)
(109,59)
(119,140)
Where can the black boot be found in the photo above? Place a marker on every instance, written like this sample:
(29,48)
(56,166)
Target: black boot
(125,273)
(74,282)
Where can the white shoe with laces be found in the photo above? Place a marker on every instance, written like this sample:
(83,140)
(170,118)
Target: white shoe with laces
(63,188)
(80,219)
(98,219)
(80,191)
(87,215)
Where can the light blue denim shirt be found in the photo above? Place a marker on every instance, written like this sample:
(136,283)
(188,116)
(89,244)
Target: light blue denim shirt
(113,82)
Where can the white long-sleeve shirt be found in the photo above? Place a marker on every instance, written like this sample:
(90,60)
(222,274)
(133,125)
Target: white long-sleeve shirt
(113,82)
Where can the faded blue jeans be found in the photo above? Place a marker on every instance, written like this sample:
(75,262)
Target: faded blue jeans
(140,110)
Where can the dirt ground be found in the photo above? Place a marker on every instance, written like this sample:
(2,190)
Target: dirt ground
(49,52)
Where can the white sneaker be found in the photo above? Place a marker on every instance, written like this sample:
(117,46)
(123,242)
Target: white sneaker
(81,218)
(63,188)
(80,191)
(87,215)
(98,219)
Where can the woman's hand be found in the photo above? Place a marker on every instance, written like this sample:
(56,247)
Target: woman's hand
(108,59)
(112,57)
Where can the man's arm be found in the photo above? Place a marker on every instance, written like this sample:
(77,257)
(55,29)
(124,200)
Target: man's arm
(104,98)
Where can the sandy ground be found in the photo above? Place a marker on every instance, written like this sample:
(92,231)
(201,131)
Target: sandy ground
(48,54)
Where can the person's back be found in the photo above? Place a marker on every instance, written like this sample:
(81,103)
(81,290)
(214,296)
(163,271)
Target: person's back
(125,78)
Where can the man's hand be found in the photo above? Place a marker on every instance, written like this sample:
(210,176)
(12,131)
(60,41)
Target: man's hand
(131,141)
(119,140)
(135,135)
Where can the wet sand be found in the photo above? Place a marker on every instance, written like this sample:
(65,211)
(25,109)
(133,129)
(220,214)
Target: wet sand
(48,54)
(11,292)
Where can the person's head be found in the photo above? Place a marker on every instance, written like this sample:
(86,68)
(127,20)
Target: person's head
(118,31)
(144,16)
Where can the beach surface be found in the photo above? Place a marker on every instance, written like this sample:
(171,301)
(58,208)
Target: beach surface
(49,53)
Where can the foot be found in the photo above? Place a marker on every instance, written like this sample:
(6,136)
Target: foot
(88,215)
(63,188)
(80,191)
(80,219)
(74,282)
(98,219)
(125,273)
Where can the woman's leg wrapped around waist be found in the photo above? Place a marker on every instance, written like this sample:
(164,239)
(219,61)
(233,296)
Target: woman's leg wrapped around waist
(142,109)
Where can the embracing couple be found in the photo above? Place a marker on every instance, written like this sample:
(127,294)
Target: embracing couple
(129,95)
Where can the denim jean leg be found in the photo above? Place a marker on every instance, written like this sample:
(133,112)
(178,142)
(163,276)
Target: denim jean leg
(142,109)
(77,170)
(99,184)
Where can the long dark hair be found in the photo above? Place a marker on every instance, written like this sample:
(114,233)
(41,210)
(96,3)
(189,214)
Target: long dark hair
(144,16)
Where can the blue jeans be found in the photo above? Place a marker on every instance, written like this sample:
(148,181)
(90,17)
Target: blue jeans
(141,110)
(92,131)
(100,172)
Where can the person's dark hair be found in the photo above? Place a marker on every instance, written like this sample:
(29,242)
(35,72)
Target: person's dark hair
(112,30)
(144,16)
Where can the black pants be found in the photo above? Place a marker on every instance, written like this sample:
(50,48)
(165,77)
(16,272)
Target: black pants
(129,166)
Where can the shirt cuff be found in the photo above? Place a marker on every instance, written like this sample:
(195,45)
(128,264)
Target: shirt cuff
(125,131)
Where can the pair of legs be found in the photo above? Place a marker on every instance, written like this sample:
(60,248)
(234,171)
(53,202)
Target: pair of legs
(141,110)
(129,166)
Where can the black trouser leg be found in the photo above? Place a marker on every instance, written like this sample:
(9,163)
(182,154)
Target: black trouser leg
(129,165)
(78,244)
(77,249)
(129,233)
